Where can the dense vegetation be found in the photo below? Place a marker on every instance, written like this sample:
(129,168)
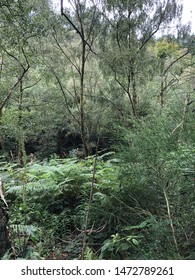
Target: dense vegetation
(97,135)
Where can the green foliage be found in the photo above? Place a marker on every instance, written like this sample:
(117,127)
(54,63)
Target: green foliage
(165,49)
(56,196)
(123,247)
(97,76)
(153,161)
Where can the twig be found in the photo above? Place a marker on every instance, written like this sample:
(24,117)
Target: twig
(89,204)
(169,217)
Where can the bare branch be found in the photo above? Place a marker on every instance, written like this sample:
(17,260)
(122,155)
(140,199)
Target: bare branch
(81,33)
(156,30)
(7,97)
(169,216)
(14,57)
(32,85)
(61,49)
(64,94)
(176,60)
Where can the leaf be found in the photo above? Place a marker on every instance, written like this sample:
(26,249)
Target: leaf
(124,246)
(14,189)
(108,246)
(140,226)
(135,241)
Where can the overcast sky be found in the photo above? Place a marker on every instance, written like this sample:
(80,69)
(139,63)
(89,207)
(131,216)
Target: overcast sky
(188,11)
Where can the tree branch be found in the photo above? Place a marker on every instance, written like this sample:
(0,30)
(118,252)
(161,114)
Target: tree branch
(176,60)
(75,28)
(2,104)
(156,30)
(64,94)
(61,49)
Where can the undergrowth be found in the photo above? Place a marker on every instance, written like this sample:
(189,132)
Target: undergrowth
(48,203)
(49,222)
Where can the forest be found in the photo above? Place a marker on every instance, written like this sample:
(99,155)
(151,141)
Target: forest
(97,134)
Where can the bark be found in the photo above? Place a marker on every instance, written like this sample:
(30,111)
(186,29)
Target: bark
(19,148)
(2,146)
(162,93)
(4,238)
(82,117)
(134,92)
(170,218)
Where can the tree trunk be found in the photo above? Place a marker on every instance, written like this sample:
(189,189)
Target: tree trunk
(4,238)
(2,146)
(162,86)
(20,143)
(82,117)
(134,92)
(162,93)
(128,91)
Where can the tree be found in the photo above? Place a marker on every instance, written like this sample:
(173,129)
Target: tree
(169,53)
(130,29)
(20,26)
(84,22)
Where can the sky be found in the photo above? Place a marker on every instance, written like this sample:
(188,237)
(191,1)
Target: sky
(188,11)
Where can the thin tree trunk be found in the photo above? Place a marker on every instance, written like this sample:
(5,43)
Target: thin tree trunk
(129,95)
(4,239)
(185,113)
(162,89)
(82,117)
(2,145)
(134,92)
(84,43)
(181,125)
(19,152)
(170,218)
(162,93)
